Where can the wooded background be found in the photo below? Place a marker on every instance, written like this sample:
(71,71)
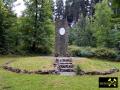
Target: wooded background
(93,23)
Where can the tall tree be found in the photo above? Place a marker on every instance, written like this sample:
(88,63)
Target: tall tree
(5,24)
(38,25)
(115,6)
(59,9)
(81,34)
(74,8)
(102,24)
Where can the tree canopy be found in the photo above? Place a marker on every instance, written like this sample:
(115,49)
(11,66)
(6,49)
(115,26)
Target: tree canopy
(94,23)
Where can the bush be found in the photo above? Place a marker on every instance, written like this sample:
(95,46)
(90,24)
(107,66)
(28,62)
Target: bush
(74,51)
(41,51)
(78,70)
(81,51)
(118,57)
(85,53)
(105,53)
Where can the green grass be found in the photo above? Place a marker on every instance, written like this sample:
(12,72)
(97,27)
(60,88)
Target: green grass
(46,63)
(34,63)
(96,64)
(13,81)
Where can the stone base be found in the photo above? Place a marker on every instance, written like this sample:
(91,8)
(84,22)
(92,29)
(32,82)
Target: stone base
(64,66)
(67,73)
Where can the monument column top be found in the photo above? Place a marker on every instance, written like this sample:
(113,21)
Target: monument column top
(61,39)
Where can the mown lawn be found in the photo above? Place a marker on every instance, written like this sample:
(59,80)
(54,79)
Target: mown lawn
(13,81)
(96,64)
(34,63)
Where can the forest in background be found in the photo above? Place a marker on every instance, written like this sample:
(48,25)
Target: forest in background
(92,23)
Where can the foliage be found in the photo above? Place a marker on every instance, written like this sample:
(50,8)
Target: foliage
(78,70)
(85,53)
(16,38)
(104,53)
(75,8)
(81,51)
(33,32)
(38,30)
(7,18)
(102,25)
(81,33)
(74,51)
(100,30)
(115,4)
(59,10)
(118,57)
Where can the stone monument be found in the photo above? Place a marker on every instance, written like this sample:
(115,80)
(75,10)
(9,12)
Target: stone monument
(63,62)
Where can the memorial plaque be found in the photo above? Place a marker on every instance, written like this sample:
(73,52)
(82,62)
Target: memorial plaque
(63,63)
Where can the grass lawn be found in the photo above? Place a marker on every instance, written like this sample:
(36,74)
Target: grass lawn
(34,63)
(96,64)
(13,81)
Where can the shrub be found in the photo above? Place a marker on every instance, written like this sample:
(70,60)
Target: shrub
(105,53)
(78,70)
(74,51)
(118,57)
(81,51)
(85,53)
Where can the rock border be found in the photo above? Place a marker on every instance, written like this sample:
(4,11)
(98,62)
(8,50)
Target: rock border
(111,71)
(45,72)
(16,70)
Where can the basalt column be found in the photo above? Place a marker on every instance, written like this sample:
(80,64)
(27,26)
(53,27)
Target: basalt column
(63,63)
(61,39)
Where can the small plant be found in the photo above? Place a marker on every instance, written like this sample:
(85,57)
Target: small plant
(78,70)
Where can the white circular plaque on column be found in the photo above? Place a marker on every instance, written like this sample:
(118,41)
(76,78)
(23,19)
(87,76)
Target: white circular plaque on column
(61,31)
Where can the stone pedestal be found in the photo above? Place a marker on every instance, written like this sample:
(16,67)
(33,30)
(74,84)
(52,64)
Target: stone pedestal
(64,66)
